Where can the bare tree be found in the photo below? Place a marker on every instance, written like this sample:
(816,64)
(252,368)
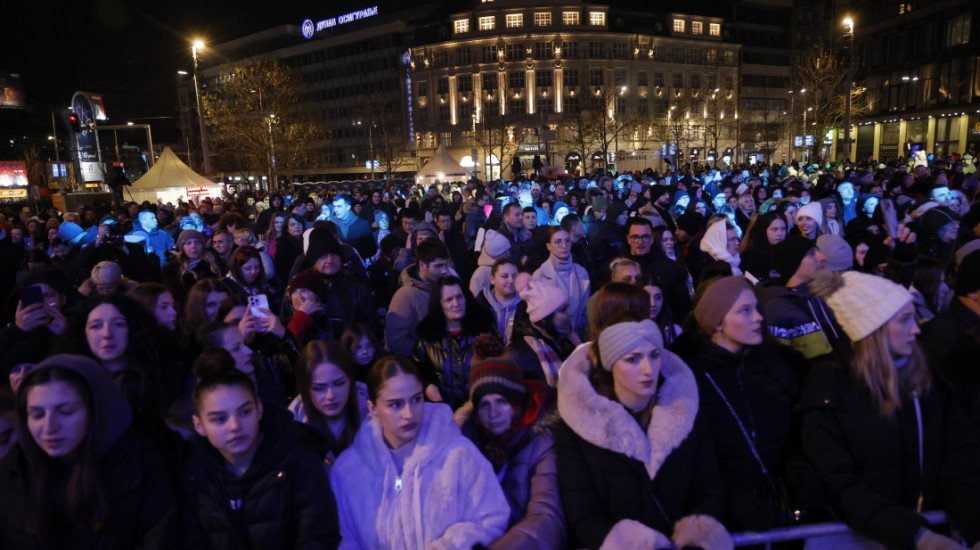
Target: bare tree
(389,138)
(258,122)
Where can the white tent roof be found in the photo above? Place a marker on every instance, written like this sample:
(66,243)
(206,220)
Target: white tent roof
(168,172)
(441,164)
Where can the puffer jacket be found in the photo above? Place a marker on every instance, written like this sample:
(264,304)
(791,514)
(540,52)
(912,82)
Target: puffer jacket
(529,478)
(282,501)
(445,496)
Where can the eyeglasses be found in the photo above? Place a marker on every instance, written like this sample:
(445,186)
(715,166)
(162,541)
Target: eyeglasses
(640,238)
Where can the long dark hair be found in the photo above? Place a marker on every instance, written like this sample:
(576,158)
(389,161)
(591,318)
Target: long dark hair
(757,232)
(315,353)
(241,256)
(148,294)
(144,351)
(85,503)
(477,319)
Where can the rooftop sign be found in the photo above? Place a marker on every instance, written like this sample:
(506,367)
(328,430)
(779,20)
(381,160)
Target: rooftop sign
(310,28)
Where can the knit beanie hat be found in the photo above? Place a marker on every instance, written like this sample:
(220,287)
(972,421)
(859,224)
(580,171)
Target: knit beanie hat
(322,242)
(494,371)
(67,231)
(190,234)
(839,255)
(861,302)
(617,340)
(542,300)
(813,210)
(310,280)
(690,221)
(495,244)
(105,273)
(789,253)
(717,299)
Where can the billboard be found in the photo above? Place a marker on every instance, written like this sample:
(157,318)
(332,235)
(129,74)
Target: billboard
(13,179)
(88,140)
(11,90)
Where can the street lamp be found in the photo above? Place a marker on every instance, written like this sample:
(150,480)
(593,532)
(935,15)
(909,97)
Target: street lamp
(197,45)
(274,178)
(849,23)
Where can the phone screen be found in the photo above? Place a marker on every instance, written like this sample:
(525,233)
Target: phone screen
(30,295)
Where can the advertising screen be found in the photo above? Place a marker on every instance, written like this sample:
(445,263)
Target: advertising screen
(11,90)
(13,179)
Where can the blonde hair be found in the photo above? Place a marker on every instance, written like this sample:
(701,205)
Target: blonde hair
(873,367)
(246,233)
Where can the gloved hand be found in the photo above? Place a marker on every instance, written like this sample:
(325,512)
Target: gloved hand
(930,540)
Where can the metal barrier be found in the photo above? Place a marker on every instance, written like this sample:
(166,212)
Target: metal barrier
(814,531)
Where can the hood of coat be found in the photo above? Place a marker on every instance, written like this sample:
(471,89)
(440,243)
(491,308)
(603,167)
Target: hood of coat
(111,412)
(437,432)
(410,277)
(607,424)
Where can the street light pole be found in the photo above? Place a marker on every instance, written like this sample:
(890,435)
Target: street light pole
(850,83)
(200,113)
(371,147)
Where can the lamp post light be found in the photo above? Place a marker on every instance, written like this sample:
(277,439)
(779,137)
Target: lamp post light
(273,177)
(849,23)
(200,112)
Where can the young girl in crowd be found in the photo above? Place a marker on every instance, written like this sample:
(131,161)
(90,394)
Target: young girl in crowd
(362,345)
(250,481)
(765,231)
(506,418)
(542,336)
(660,312)
(636,467)
(203,302)
(885,436)
(79,475)
(192,263)
(328,396)
(411,479)
(559,270)
(247,278)
(747,387)
(157,299)
(246,237)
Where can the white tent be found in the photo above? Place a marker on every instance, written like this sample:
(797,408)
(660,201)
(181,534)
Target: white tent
(441,165)
(169,179)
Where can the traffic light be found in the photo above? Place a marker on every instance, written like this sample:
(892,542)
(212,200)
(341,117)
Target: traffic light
(76,124)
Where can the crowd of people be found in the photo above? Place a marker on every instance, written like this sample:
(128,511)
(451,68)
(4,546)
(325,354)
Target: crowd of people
(646,360)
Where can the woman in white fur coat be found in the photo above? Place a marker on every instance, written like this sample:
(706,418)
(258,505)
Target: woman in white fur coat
(636,467)
(411,480)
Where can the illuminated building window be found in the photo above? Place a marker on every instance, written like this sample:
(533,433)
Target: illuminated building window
(446,139)
(487,23)
(570,78)
(488,82)
(462,25)
(597,18)
(542,19)
(569,17)
(697,27)
(596,77)
(714,29)
(678,25)
(515,20)
(544,78)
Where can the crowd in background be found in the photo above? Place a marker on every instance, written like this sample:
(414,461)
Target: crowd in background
(645,360)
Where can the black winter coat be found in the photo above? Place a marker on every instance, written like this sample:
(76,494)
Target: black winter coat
(869,464)
(761,386)
(142,503)
(630,487)
(283,500)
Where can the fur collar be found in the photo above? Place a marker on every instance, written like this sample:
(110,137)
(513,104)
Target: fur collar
(438,431)
(608,425)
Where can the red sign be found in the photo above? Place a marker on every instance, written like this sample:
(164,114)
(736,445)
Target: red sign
(198,190)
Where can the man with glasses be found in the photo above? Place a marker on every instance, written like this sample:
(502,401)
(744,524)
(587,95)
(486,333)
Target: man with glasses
(655,264)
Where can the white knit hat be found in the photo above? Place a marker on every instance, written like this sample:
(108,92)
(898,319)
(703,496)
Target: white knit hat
(861,302)
(495,244)
(542,300)
(812,209)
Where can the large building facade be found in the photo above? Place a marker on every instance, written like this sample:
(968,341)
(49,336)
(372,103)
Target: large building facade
(573,85)
(921,61)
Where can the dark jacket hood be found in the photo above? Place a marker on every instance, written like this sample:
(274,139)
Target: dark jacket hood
(110,411)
